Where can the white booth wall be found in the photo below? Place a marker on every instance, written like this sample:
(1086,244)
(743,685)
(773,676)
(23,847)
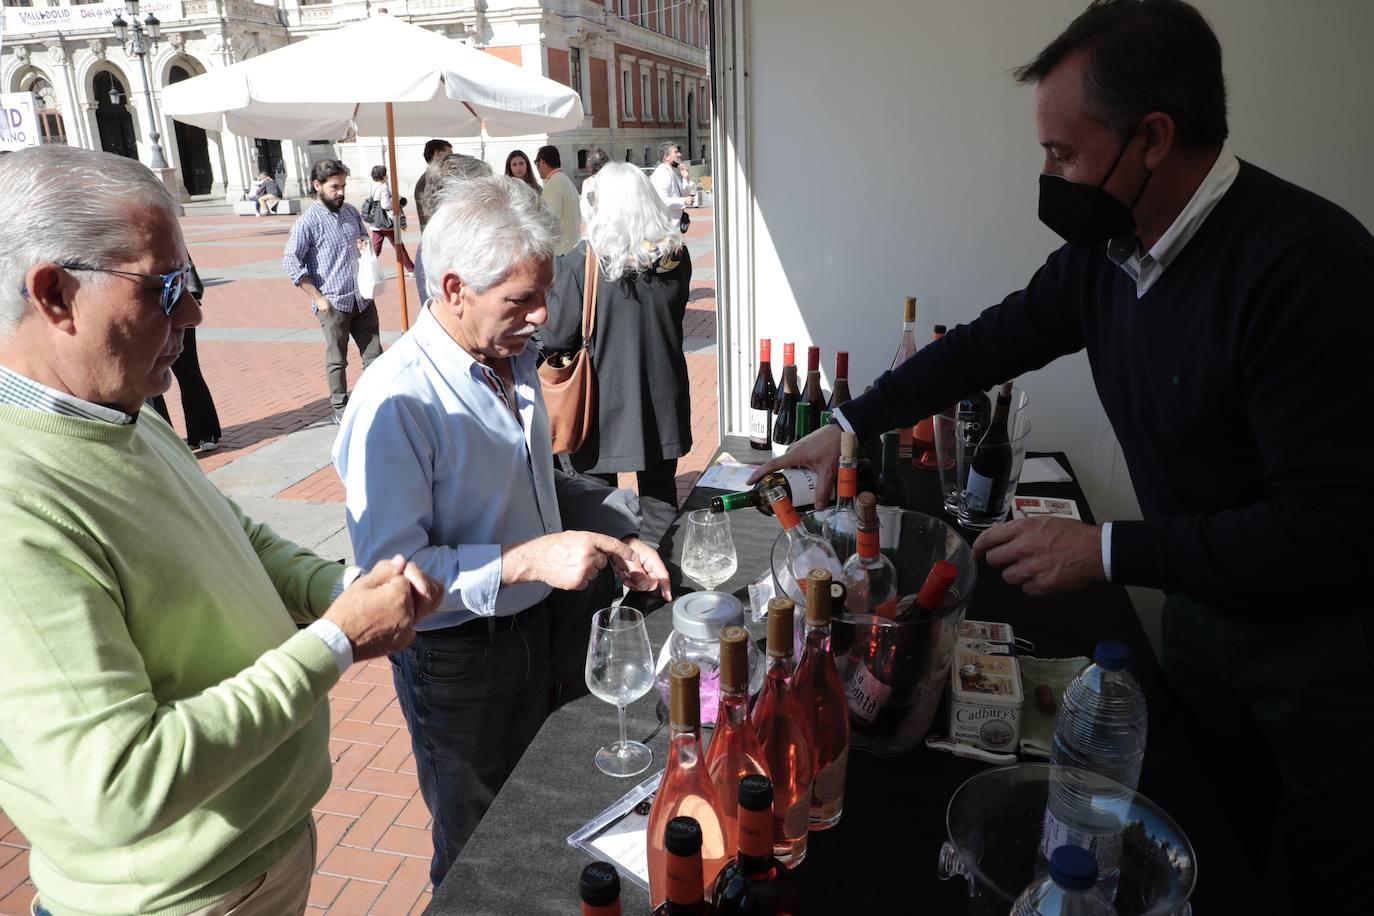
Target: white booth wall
(887,151)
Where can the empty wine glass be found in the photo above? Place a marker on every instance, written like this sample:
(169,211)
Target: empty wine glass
(708,556)
(620,670)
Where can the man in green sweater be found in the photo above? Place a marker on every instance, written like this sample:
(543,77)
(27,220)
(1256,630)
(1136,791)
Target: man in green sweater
(163,723)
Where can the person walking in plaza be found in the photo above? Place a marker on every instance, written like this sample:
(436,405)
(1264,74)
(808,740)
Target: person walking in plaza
(518,166)
(587,199)
(434,149)
(164,725)
(1226,317)
(321,258)
(202,420)
(443,173)
(446,460)
(561,198)
(667,181)
(643,407)
(389,221)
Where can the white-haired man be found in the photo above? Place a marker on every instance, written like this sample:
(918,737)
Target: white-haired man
(163,725)
(445,454)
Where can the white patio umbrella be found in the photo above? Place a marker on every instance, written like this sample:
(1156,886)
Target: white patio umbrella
(378,76)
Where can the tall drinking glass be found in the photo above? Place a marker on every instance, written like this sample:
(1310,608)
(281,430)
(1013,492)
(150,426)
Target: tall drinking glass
(620,670)
(708,554)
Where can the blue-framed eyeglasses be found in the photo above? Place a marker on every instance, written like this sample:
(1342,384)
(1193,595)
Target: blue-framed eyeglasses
(173,283)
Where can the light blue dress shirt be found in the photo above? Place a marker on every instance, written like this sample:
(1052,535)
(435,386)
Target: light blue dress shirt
(438,468)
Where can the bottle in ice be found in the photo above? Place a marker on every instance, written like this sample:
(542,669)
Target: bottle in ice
(798,483)
(1070,888)
(599,888)
(755,882)
(734,751)
(761,400)
(1101,728)
(989,472)
(841,524)
(870,577)
(686,787)
(822,699)
(682,840)
(805,551)
(786,740)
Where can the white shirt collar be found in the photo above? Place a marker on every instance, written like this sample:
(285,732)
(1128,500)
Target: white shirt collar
(1146,269)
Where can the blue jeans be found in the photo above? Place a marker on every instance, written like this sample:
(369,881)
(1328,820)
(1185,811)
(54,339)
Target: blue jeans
(473,704)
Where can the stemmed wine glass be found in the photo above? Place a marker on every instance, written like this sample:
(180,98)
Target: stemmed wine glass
(620,670)
(708,556)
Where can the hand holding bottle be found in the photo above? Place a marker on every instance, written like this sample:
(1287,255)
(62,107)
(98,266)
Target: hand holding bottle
(819,451)
(1044,555)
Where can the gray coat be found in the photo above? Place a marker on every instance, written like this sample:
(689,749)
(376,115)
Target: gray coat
(642,402)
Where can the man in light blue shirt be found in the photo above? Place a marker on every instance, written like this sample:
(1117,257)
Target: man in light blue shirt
(445,453)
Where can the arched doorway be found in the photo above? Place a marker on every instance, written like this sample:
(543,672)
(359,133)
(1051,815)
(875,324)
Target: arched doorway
(112,118)
(691,123)
(192,148)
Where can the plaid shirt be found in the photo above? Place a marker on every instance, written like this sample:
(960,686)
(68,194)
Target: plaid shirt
(323,247)
(19,391)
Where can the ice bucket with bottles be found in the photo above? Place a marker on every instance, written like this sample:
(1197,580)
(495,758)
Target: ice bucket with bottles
(908,657)
(995,822)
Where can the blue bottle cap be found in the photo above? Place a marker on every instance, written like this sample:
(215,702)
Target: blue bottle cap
(1112,655)
(1073,868)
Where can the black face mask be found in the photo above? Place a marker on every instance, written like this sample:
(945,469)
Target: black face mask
(1086,215)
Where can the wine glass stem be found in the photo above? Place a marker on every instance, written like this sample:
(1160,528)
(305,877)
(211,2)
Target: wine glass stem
(621,749)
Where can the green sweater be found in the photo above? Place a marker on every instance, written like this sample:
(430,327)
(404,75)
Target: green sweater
(163,726)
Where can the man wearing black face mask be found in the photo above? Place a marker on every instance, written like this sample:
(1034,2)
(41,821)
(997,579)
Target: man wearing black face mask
(1227,320)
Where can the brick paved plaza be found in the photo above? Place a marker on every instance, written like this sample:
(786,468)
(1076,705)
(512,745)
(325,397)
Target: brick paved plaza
(262,356)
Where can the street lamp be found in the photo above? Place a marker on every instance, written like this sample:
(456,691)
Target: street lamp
(141,43)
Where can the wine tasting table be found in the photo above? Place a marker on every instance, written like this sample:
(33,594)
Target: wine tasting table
(882,856)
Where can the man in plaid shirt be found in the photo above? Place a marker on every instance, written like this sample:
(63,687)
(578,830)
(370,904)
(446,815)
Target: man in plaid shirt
(321,258)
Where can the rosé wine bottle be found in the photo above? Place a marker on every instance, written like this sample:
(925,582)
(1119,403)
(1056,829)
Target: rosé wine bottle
(786,738)
(820,692)
(734,751)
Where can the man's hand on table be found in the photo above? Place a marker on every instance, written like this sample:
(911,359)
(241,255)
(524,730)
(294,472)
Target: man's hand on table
(569,560)
(819,451)
(1044,555)
(647,573)
(378,612)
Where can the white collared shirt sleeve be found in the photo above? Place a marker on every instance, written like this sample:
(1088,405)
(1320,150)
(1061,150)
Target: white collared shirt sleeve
(1107,550)
(329,633)
(838,414)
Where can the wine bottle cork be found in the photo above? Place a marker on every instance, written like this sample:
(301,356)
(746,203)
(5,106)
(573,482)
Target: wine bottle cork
(780,627)
(818,596)
(734,658)
(684,697)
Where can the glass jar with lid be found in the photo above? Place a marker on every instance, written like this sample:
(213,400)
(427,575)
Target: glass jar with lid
(698,618)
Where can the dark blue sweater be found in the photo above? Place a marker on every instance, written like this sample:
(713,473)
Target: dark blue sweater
(1237,385)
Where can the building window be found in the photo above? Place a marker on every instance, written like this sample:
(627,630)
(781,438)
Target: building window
(18,2)
(646,155)
(628,91)
(679,113)
(662,21)
(671,24)
(663,98)
(575,77)
(646,108)
(582,160)
(629,154)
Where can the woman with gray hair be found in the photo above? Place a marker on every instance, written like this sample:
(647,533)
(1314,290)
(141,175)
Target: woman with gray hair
(643,414)
(442,174)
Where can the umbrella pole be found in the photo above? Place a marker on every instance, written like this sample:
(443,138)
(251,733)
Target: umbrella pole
(397,245)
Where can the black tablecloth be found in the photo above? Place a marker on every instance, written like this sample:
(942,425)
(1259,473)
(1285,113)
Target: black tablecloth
(882,856)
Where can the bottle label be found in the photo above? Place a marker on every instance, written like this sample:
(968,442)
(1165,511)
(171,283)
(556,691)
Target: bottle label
(828,798)
(803,484)
(867,695)
(978,493)
(849,483)
(787,516)
(780,448)
(1104,845)
(798,818)
(759,425)
(889,527)
(866,542)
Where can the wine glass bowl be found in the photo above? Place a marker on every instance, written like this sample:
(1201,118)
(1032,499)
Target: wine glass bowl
(708,553)
(620,670)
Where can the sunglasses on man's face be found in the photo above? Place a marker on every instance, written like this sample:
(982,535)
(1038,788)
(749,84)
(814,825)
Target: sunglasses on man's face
(173,283)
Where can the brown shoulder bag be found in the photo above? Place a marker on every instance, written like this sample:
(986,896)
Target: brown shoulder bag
(568,380)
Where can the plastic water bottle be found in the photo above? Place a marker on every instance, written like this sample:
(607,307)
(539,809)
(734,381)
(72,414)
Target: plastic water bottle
(1070,889)
(1100,728)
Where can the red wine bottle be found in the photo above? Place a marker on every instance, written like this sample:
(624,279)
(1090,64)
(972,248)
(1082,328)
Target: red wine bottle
(990,470)
(813,399)
(761,400)
(839,395)
(789,395)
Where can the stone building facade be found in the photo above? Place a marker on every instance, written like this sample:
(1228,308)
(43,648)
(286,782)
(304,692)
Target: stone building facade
(641,67)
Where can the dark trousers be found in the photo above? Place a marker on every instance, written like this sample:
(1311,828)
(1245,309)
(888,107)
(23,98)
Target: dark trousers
(657,497)
(202,421)
(473,704)
(338,326)
(1281,714)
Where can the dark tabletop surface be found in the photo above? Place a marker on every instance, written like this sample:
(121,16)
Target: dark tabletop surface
(882,856)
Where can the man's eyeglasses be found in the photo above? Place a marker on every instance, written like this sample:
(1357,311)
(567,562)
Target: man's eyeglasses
(173,283)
